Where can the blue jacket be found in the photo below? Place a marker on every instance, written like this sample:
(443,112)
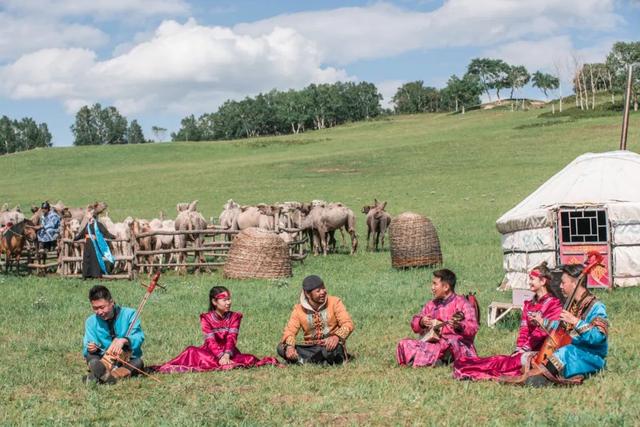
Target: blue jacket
(97,330)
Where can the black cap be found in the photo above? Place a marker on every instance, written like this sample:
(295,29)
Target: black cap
(45,205)
(312,282)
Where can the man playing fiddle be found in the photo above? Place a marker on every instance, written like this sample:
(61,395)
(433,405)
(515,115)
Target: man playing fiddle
(105,338)
(586,321)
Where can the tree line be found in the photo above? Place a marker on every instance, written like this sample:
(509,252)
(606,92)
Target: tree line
(489,75)
(317,106)
(99,126)
(24,134)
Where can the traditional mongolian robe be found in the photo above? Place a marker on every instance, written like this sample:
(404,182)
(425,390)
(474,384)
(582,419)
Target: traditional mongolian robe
(220,337)
(92,267)
(102,332)
(530,339)
(454,343)
(50,228)
(330,319)
(589,346)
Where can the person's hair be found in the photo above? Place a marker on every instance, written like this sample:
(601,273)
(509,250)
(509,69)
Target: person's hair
(213,292)
(446,276)
(575,270)
(545,273)
(99,292)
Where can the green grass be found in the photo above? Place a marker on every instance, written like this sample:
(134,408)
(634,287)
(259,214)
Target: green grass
(462,171)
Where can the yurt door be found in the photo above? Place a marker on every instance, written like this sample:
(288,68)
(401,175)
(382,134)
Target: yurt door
(581,231)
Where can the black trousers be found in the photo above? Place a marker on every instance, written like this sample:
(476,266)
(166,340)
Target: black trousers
(98,372)
(309,353)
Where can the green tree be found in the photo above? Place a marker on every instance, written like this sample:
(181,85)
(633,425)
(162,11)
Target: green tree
(158,133)
(189,130)
(491,74)
(461,93)
(96,125)
(517,78)
(135,134)
(7,136)
(545,82)
(622,55)
(414,97)
(84,129)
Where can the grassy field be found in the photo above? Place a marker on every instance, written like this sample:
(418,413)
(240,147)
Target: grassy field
(461,171)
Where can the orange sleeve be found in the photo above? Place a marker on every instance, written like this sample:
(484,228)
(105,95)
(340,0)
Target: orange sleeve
(292,328)
(345,324)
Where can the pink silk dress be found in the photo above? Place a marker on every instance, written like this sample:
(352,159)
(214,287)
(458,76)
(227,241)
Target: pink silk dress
(530,339)
(457,344)
(220,337)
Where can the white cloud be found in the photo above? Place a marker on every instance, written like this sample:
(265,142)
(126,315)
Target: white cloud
(350,34)
(387,89)
(183,67)
(20,35)
(545,54)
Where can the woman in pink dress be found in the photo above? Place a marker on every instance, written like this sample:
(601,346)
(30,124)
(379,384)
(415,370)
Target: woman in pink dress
(220,327)
(530,338)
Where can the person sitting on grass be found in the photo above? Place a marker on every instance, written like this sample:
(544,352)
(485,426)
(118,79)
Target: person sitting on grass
(587,323)
(530,337)
(105,335)
(220,327)
(447,326)
(326,325)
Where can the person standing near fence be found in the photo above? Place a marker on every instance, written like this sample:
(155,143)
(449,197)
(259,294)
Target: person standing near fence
(49,227)
(96,256)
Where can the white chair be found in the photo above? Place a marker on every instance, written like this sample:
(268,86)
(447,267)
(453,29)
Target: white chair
(498,310)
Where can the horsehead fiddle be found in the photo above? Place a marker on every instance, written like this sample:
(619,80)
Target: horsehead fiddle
(112,361)
(559,336)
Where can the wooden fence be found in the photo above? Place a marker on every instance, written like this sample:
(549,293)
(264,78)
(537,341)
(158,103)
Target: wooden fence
(202,249)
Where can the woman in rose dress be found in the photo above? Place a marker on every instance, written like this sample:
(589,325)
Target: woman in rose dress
(220,327)
(530,338)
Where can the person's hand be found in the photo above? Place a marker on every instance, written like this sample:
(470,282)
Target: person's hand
(427,322)
(225,359)
(536,318)
(116,346)
(332,342)
(291,353)
(569,318)
(92,347)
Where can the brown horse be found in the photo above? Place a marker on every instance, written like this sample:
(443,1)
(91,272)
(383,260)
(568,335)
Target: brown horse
(12,241)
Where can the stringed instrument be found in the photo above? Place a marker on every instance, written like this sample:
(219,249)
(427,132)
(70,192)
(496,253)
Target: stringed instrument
(559,337)
(434,334)
(117,364)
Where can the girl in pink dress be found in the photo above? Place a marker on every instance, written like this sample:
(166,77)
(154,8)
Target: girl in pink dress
(530,338)
(220,327)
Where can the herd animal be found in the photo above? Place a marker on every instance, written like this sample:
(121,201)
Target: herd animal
(316,221)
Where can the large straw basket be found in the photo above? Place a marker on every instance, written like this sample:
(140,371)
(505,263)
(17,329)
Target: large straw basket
(258,254)
(414,241)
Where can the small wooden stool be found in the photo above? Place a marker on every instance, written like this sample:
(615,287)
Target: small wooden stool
(498,310)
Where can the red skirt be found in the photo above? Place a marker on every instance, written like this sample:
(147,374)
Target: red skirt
(201,359)
(488,368)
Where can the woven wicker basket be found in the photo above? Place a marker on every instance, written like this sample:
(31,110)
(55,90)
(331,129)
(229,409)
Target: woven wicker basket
(414,241)
(258,254)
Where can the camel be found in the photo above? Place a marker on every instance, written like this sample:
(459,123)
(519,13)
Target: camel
(377,222)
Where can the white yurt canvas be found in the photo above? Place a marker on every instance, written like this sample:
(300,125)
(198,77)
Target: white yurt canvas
(595,200)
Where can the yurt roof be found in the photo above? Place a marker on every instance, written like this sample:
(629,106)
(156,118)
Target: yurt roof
(592,178)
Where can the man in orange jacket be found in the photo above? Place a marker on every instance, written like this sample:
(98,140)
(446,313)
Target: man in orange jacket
(326,325)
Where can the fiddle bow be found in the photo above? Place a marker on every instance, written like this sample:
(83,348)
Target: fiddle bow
(559,336)
(111,360)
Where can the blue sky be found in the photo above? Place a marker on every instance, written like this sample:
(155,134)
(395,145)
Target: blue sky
(159,60)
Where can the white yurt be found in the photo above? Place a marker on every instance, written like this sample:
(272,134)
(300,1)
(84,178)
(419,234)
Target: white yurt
(591,204)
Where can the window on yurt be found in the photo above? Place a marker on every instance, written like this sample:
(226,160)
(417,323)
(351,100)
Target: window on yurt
(584,226)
